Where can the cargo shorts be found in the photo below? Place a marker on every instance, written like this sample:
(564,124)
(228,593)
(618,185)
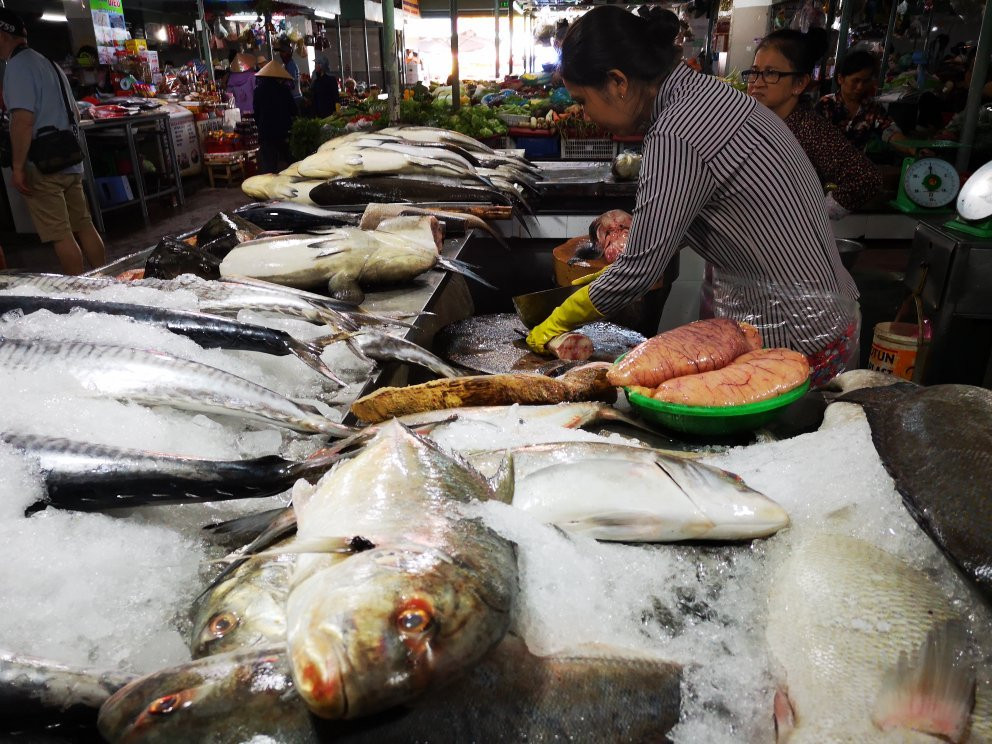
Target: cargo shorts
(57,205)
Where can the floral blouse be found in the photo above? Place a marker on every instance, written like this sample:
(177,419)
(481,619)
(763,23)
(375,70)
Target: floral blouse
(835,159)
(870,123)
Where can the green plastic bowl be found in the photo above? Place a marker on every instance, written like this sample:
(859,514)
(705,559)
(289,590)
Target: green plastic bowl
(713,419)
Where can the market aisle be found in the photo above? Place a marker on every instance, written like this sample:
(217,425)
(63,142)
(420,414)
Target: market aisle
(125,231)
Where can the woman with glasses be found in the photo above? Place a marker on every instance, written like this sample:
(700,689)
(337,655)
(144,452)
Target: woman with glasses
(781,73)
(721,174)
(854,110)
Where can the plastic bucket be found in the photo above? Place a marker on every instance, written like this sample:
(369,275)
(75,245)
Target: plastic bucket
(894,348)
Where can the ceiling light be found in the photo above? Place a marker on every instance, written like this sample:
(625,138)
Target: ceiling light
(243,17)
(325,14)
(54,17)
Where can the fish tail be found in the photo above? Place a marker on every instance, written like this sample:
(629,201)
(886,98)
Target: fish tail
(309,354)
(460,267)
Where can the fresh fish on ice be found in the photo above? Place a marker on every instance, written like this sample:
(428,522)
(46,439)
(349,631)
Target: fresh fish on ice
(154,378)
(86,476)
(405,188)
(430,596)
(850,624)
(936,443)
(587,697)
(632,494)
(295,217)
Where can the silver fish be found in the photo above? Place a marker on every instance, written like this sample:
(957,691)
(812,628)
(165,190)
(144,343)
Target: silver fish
(157,379)
(427,600)
(510,696)
(632,494)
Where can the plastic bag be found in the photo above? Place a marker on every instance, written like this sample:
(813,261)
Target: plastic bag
(823,325)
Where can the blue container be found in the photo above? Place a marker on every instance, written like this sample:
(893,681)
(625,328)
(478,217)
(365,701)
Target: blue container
(538,147)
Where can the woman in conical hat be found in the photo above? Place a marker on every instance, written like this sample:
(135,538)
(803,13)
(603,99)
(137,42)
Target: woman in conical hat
(274,112)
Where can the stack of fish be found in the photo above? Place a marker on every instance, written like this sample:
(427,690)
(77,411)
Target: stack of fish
(400,164)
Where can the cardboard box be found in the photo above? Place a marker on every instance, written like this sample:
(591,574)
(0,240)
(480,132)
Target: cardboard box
(136,45)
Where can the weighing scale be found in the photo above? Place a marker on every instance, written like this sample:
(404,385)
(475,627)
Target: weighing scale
(975,205)
(926,186)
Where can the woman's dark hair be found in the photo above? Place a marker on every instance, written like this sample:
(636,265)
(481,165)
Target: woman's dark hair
(855,62)
(608,38)
(803,50)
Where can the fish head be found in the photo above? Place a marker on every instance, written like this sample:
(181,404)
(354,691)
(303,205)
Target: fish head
(227,697)
(246,610)
(382,627)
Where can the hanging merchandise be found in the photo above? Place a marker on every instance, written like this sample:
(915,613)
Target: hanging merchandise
(808,16)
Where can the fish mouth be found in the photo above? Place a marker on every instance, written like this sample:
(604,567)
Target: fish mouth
(320,680)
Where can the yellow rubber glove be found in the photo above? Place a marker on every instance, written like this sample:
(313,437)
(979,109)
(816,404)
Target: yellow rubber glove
(589,278)
(573,312)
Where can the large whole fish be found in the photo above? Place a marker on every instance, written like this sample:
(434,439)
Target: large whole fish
(430,596)
(293,188)
(355,160)
(868,651)
(936,443)
(154,378)
(209,331)
(398,250)
(633,494)
(85,476)
(404,188)
(296,217)
(510,696)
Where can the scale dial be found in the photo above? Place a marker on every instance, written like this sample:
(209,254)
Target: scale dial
(931,182)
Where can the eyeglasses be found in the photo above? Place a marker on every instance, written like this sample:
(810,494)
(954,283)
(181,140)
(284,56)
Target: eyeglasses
(769,76)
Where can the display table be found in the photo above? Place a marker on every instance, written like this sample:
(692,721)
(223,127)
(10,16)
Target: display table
(134,188)
(229,166)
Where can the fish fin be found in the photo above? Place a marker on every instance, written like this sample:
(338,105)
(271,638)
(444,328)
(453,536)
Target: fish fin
(503,481)
(309,354)
(346,545)
(327,248)
(937,694)
(459,267)
(785,715)
(253,524)
(343,287)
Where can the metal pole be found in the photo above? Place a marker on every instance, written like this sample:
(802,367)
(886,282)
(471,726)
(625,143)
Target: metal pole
(509,15)
(888,41)
(205,39)
(368,60)
(978,74)
(456,93)
(845,25)
(340,52)
(496,17)
(392,73)
(710,28)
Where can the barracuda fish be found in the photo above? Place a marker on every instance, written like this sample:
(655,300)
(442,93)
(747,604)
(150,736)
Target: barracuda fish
(427,600)
(632,494)
(398,250)
(209,331)
(404,188)
(871,649)
(33,688)
(935,443)
(154,378)
(85,476)
(510,696)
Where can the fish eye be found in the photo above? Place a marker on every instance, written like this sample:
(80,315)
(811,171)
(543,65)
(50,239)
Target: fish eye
(170,703)
(222,623)
(414,619)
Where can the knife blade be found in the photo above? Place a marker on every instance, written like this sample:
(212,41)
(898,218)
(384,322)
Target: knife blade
(535,307)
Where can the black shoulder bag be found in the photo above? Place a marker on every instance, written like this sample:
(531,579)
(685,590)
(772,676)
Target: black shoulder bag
(55,149)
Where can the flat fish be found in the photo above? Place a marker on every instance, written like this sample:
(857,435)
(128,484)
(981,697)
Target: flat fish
(494,344)
(936,443)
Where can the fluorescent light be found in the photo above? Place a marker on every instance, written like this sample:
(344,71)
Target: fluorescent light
(325,14)
(243,17)
(383,96)
(54,17)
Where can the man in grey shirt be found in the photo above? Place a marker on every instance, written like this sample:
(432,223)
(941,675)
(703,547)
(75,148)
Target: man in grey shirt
(35,92)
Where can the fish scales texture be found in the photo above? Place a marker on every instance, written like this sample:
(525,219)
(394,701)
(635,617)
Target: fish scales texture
(235,697)
(936,443)
(700,346)
(841,612)
(434,593)
(156,378)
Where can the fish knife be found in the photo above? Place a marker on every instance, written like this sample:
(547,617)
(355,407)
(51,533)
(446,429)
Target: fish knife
(535,307)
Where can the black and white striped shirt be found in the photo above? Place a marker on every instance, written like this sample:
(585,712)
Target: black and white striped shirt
(724,175)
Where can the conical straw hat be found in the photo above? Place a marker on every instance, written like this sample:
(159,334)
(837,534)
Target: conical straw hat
(274,69)
(243,62)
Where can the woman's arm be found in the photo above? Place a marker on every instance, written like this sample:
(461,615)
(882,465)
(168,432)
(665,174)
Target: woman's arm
(674,185)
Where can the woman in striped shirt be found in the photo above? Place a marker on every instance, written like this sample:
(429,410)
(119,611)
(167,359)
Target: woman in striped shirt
(721,174)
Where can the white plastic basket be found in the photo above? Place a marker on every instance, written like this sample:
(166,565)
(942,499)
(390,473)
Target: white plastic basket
(514,120)
(586,149)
